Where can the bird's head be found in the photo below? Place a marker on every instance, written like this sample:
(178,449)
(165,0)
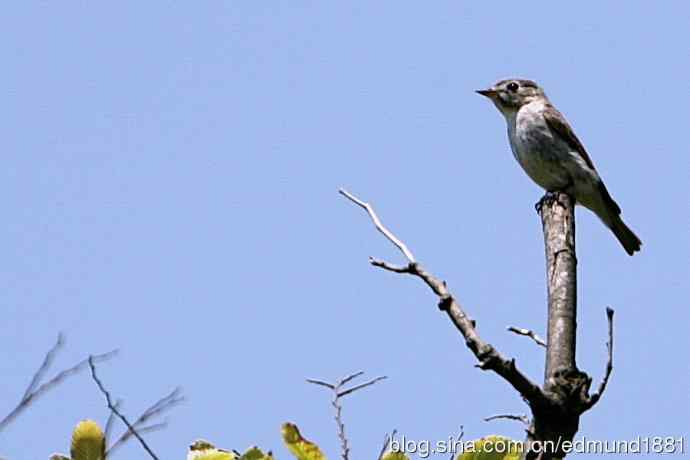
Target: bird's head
(509,95)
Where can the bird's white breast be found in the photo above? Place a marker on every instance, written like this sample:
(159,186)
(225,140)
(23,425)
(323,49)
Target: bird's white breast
(535,147)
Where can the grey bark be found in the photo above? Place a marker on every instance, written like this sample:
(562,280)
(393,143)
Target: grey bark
(557,406)
(558,222)
(565,386)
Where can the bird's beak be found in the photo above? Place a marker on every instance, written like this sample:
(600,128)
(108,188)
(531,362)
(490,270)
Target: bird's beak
(490,93)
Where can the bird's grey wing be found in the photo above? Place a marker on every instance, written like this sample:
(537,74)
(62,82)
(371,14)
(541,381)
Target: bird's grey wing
(558,123)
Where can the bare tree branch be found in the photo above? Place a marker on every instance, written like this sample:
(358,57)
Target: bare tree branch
(344,445)
(141,430)
(558,223)
(379,226)
(319,382)
(458,438)
(489,358)
(390,267)
(566,387)
(349,378)
(520,418)
(386,443)
(35,391)
(111,420)
(47,362)
(113,408)
(594,398)
(335,402)
(528,333)
(158,408)
(359,387)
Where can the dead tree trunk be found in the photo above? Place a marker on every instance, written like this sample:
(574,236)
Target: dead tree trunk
(557,405)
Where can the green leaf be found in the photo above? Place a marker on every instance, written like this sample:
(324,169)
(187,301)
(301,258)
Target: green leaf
(254,453)
(394,455)
(300,447)
(492,448)
(204,450)
(88,441)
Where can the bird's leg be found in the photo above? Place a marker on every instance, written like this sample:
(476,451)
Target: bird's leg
(549,197)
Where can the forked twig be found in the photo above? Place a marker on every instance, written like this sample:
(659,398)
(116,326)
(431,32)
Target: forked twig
(113,408)
(35,390)
(158,408)
(45,365)
(110,422)
(489,358)
(338,393)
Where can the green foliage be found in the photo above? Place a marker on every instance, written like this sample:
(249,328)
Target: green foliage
(254,453)
(492,448)
(88,441)
(204,450)
(300,447)
(394,455)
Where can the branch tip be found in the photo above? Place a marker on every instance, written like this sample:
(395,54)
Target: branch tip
(520,418)
(528,333)
(379,226)
(337,394)
(594,398)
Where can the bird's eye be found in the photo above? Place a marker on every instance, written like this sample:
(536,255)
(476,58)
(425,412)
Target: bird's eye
(512,86)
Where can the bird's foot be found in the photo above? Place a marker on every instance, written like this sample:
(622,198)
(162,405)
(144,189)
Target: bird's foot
(549,198)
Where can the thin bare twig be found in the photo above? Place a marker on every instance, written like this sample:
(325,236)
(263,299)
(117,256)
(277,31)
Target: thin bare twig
(379,226)
(319,382)
(528,333)
(158,408)
(349,378)
(386,443)
(489,358)
(594,398)
(113,408)
(344,445)
(453,448)
(387,266)
(111,420)
(45,365)
(520,418)
(39,390)
(359,387)
(335,402)
(141,430)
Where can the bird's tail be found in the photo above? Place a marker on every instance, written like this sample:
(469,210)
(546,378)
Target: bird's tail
(610,213)
(628,239)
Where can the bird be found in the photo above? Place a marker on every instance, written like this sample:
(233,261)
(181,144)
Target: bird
(548,150)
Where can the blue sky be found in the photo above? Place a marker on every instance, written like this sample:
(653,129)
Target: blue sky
(170,189)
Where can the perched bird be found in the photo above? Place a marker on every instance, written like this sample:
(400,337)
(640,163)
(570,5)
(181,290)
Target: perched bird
(552,156)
